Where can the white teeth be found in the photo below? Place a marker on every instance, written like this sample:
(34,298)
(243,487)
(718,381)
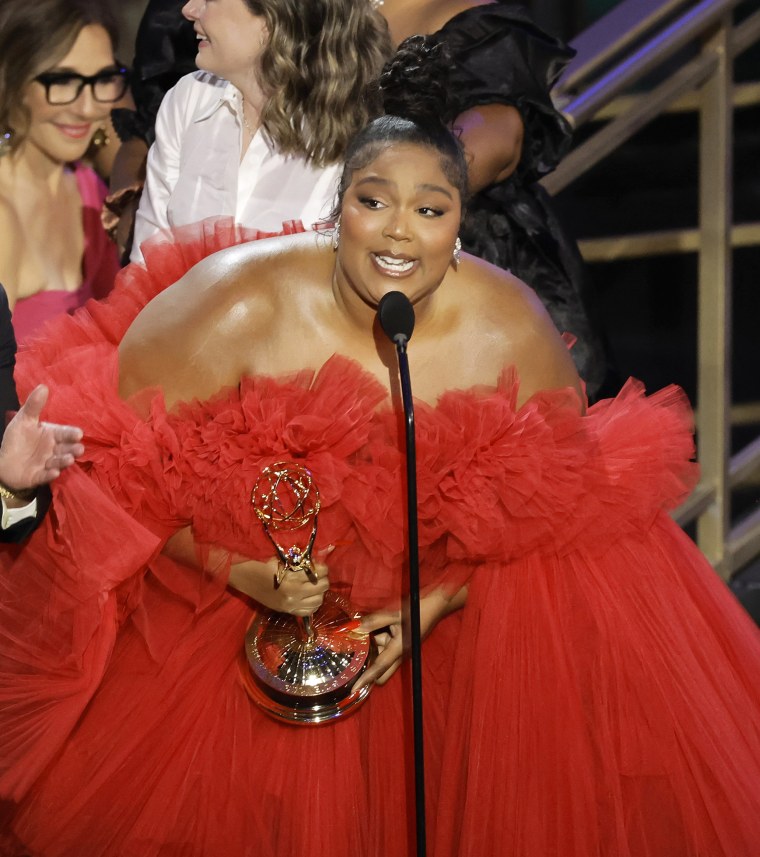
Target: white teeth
(397,265)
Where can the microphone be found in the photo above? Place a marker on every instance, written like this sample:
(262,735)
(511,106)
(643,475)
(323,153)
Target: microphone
(396,317)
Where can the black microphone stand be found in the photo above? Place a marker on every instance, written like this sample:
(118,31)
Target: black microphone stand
(400,339)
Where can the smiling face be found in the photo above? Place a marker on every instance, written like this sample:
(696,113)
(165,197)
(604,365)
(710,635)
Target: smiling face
(231,38)
(62,133)
(399,220)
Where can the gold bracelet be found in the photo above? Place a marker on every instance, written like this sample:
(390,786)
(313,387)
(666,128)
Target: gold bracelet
(25,495)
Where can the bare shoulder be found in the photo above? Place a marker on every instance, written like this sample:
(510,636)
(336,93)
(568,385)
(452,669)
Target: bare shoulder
(423,16)
(515,329)
(442,12)
(195,337)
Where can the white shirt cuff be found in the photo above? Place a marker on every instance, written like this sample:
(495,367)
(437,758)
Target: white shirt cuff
(13,516)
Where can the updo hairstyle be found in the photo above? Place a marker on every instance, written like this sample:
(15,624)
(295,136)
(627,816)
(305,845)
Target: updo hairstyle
(415,92)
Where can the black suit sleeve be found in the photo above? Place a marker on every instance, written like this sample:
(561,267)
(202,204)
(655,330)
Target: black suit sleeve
(9,402)
(8,397)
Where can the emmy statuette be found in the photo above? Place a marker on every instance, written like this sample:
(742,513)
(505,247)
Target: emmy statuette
(301,670)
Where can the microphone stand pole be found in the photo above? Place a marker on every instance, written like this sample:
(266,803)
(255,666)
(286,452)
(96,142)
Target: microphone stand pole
(414,594)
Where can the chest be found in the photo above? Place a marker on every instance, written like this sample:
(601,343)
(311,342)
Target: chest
(52,236)
(436,364)
(259,188)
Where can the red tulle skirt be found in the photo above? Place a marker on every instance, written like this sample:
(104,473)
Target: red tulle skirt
(598,696)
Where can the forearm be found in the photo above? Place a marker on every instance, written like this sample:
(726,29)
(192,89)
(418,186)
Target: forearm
(182,547)
(492,136)
(151,215)
(437,605)
(296,594)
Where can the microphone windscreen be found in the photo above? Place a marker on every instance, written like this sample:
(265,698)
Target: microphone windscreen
(396,315)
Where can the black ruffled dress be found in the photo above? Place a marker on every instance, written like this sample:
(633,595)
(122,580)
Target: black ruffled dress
(500,56)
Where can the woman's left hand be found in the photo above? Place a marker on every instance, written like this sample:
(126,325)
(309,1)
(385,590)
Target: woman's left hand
(386,625)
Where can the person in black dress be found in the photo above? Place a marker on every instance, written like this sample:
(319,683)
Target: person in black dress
(502,69)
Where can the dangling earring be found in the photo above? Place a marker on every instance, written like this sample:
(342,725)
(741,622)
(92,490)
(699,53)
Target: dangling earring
(5,143)
(100,138)
(336,234)
(457,254)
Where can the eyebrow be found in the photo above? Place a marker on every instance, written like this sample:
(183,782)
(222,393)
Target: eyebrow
(65,69)
(424,187)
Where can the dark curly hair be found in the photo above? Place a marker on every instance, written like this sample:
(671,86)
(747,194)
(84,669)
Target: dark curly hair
(34,35)
(317,70)
(415,94)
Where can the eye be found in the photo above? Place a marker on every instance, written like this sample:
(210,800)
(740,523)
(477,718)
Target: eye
(429,211)
(371,203)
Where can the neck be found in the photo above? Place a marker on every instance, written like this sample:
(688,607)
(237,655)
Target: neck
(29,164)
(251,116)
(254,100)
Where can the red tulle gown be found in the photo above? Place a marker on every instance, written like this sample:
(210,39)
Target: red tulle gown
(599,695)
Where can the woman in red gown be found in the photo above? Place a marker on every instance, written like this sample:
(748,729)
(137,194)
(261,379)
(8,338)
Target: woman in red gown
(591,687)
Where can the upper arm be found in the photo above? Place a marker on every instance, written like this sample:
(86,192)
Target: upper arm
(164,346)
(492,135)
(161,172)
(512,318)
(191,340)
(8,396)
(540,354)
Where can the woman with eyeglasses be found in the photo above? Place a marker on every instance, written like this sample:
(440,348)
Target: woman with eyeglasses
(58,82)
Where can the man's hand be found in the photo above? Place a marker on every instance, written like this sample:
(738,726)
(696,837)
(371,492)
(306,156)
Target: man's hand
(34,453)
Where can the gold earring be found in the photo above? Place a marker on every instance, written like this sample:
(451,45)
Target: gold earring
(457,254)
(100,138)
(336,235)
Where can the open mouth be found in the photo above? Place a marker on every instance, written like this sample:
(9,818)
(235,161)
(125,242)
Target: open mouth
(393,264)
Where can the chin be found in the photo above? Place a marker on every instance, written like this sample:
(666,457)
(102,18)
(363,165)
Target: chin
(65,154)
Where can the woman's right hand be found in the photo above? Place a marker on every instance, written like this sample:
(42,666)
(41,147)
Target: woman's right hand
(297,594)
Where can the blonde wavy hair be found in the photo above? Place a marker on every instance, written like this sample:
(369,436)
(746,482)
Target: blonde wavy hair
(318,70)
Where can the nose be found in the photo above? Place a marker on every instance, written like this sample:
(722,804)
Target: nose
(398,226)
(190,10)
(88,108)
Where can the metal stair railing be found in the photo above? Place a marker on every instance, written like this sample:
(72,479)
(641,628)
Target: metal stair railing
(699,42)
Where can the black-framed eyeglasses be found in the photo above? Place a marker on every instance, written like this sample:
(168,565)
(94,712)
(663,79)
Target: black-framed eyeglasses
(64,87)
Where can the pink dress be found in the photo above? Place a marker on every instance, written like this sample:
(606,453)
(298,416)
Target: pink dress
(100,264)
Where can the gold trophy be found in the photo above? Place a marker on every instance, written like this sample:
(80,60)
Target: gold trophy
(301,669)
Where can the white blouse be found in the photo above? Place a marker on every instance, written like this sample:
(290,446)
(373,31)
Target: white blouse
(194,169)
